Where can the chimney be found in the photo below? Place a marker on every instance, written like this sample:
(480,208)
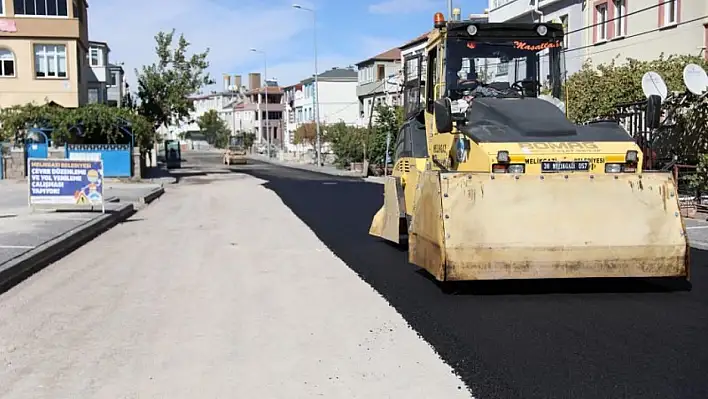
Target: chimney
(254,81)
(227,82)
(237,82)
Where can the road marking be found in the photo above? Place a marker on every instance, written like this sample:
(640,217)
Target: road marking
(16,247)
(696,227)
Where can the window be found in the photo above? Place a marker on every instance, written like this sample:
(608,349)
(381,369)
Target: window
(1,8)
(50,60)
(503,68)
(7,63)
(47,8)
(670,12)
(601,27)
(620,17)
(96,56)
(93,96)
(113,80)
(380,72)
(431,78)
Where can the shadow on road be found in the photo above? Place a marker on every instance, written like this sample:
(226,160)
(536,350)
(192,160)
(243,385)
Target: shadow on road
(182,173)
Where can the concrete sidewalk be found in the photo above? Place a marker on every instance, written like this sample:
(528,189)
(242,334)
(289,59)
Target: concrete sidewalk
(30,240)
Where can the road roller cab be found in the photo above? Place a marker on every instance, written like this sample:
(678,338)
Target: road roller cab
(506,186)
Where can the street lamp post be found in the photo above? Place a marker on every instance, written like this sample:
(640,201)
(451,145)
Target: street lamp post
(265,98)
(317,91)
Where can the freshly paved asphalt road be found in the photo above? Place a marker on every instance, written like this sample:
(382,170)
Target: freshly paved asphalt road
(187,302)
(216,291)
(573,339)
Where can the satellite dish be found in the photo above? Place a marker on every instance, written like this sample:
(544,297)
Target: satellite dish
(558,103)
(695,78)
(653,85)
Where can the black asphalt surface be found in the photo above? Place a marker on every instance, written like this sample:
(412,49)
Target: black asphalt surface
(531,339)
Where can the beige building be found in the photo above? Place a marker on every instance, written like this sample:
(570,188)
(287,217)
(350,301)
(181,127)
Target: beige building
(43,47)
(643,29)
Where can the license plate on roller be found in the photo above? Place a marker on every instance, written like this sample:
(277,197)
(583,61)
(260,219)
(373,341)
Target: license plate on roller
(565,166)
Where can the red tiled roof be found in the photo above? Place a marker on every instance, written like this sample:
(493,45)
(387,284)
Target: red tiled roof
(393,54)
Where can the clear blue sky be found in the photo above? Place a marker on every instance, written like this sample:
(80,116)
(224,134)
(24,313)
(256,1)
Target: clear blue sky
(348,31)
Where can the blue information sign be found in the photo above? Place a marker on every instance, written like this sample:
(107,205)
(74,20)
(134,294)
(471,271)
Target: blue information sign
(65,182)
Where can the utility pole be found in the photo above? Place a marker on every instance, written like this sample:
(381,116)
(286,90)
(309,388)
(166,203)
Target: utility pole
(265,97)
(449,10)
(317,92)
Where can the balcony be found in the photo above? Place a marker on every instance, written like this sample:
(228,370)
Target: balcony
(28,27)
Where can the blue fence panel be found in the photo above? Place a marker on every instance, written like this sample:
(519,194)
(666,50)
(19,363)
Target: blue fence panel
(117,158)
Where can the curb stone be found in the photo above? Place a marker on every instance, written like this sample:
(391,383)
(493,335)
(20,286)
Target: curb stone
(18,269)
(342,173)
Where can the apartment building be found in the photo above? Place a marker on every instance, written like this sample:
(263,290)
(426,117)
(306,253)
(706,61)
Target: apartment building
(643,29)
(413,68)
(43,47)
(289,115)
(569,13)
(97,72)
(249,112)
(377,82)
(117,85)
(219,101)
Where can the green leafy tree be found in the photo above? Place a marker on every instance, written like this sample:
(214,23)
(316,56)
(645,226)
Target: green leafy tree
(164,86)
(247,139)
(348,143)
(94,123)
(595,91)
(214,128)
(387,121)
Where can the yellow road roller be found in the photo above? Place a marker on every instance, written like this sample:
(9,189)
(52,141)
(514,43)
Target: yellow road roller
(491,181)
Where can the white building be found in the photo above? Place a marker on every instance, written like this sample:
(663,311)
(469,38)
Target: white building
(600,31)
(97,72)
(567,12)
(378,78)
(289,115)
(217,101)
(624,31)
(413,69)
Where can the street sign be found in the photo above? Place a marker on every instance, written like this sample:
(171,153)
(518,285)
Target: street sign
(65,182)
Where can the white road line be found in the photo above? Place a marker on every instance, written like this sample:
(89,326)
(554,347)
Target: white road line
(696,227)
(16,247)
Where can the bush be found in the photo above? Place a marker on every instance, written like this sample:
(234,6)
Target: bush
(594,92)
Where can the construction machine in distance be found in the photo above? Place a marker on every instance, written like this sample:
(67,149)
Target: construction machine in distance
(236,153)
(491,181)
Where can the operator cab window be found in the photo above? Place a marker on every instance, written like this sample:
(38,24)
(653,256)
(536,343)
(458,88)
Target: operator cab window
(430,79)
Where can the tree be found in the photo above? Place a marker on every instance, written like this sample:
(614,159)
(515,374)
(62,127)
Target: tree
(164,87)
(348,143)
(594,92)
(90,124)
(387,121)
(214,128)
(247,139)
(306,134)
